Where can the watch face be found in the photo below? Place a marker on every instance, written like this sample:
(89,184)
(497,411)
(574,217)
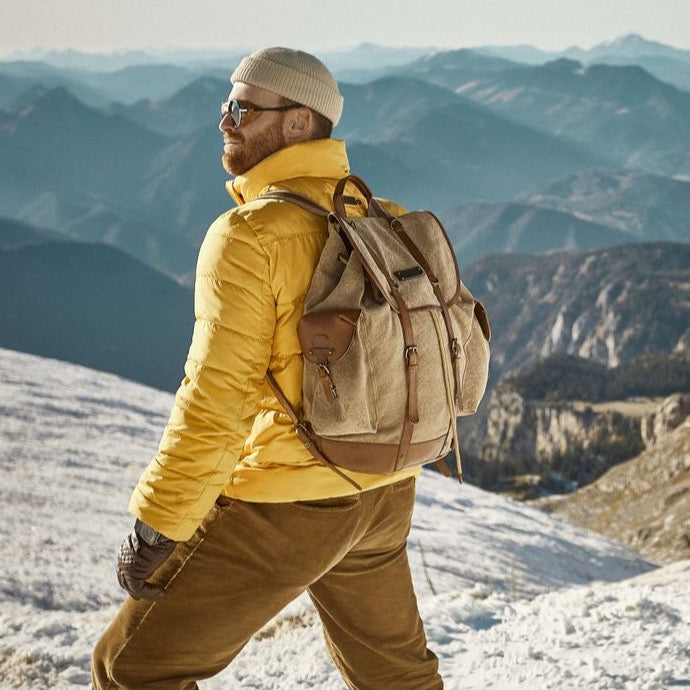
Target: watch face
(148,534)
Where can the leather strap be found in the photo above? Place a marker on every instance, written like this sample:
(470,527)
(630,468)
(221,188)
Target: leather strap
(374,208)
(411,356)
(300,200)
(398,228)
(442,467)
(448,385)
(366,256)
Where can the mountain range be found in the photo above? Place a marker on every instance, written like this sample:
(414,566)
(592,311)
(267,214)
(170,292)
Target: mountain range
(102,177)
(132,178)
(608,305)
(621,112)
(536,170)
(98,88)
(663,61)
(594,208)
(457,150)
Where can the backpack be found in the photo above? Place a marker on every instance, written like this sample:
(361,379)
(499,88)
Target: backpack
(394,345)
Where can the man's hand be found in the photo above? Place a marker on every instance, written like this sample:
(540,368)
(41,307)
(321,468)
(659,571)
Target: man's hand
(136,562)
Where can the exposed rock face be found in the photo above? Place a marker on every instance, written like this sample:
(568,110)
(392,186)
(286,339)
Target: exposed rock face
(606,305)
(519,428)
(671,413)
(644,502)
(609,306)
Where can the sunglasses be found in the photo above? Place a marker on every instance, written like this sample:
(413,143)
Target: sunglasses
(244,113)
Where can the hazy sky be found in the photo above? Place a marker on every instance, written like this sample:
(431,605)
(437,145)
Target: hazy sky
(104,25)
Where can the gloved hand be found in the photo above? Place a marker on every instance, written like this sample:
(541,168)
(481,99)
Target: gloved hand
(136,562)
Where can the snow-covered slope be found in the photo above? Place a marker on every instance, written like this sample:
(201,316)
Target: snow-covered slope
(512,598)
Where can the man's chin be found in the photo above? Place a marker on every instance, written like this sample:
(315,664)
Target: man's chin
(230,166)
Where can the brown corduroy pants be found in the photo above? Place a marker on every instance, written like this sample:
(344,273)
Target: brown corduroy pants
(247,561)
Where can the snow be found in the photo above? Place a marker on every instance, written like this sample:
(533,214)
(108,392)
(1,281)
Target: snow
(511,597)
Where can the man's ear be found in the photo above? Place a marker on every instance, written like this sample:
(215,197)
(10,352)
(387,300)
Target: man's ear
(298,125)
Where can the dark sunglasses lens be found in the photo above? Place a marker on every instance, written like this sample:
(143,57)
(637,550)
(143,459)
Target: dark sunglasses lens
(235,113)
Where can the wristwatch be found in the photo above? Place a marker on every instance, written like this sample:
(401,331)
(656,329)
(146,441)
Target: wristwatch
(148,534)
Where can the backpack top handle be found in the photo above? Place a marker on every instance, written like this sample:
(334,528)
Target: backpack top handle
(374,208)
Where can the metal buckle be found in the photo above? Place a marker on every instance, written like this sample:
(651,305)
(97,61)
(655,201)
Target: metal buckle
(455,348)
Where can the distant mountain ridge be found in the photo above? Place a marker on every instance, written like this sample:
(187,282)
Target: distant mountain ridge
(646,206)
(89,152)
(458,149)
(153,191)
(608,305)
(95,178)
(92,305)
(605,305)
(594,208)
(663,61)
(142,180)
(194,107)
(622,112)
(97,89)
(15,233)
(517,227)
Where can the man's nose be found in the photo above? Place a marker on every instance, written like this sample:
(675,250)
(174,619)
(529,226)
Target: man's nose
(223,124)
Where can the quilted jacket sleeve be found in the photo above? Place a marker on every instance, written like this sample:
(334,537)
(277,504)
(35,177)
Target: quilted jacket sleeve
(217,401)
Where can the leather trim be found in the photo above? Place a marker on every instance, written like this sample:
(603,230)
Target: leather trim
(374,208)
(325,336)
(482,317)
(398,227)
(379,458)
(458,285)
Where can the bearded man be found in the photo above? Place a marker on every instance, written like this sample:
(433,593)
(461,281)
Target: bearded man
(234,517)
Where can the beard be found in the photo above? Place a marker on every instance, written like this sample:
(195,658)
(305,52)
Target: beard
(246,152)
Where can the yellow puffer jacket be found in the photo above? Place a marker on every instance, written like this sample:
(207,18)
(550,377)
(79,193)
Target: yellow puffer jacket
(227,432)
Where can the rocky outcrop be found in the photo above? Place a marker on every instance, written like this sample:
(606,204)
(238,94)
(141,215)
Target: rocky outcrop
(519,429)
(609,306)
(672,412)
(644,502)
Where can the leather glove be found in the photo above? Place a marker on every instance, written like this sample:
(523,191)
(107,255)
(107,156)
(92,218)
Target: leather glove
(137,561)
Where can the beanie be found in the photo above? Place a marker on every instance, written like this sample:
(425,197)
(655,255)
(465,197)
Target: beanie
(295,75)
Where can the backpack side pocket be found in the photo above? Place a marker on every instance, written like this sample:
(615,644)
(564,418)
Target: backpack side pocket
(338,392)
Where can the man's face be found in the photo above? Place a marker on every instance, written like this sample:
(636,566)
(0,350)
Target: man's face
(245,146)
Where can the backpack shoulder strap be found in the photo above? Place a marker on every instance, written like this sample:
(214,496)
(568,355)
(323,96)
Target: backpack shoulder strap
(374,208)
(300,200)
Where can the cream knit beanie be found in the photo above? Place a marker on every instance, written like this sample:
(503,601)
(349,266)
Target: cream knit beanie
(295,75)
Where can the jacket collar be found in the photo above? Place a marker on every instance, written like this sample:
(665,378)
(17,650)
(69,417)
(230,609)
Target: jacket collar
(314,158)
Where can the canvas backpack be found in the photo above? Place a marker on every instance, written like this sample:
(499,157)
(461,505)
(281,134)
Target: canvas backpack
(395,346)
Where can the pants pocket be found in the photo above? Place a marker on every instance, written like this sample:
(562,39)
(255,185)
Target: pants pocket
(338,504)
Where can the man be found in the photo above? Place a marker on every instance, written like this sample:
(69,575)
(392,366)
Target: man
(234,517)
